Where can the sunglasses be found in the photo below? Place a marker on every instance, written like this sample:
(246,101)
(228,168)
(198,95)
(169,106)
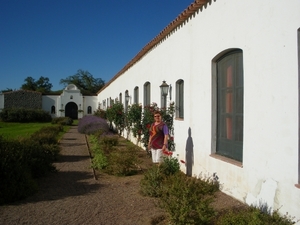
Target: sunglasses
(156,116)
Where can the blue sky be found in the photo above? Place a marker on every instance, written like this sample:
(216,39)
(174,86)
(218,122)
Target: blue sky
(55,38)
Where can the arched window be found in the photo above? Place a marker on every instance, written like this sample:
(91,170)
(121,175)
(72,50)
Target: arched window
(126,100)
(89,109)
(228,104)
(53,109)
(179,107)
(147,93)
(120,97)
(136,95)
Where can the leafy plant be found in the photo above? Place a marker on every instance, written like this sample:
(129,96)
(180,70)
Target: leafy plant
(24,115)
(169,166)
(123,162)
(252,216)
(100,113)
(185,201)
(62,121)
(151,183)
(92,125)
(25,159)
(116,116)
(134,117)
(99,160)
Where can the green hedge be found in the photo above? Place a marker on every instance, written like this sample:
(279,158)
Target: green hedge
(24,115)
(23,161)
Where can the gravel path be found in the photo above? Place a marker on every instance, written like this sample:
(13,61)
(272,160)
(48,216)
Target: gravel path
(74,196)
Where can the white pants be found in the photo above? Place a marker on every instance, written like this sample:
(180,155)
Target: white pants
(156,155)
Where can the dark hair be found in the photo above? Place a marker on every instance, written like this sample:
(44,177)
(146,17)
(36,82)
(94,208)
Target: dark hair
(157,112)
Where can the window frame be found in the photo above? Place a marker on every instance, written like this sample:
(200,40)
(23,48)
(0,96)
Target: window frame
(147,93)
(136,95)
(216,113)
(179,100)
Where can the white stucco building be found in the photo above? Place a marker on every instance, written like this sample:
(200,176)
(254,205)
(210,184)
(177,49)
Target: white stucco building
(233,71)
(70,103)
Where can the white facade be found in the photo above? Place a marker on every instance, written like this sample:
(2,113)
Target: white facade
(70,103)
(267,33)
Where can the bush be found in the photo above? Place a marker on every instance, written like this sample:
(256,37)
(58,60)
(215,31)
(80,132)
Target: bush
(99,160)
(92,124)
(24,160)
(169,166)
(151,183)
(15,173)
(100,113)
(24,115)
(123,162)
(39,158)
(65,121)
(108,143)
(47,135)
(116,116)
(186,201)
(252,216)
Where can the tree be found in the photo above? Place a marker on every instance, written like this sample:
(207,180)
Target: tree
(30,84)
(85,81)
(41,85)
(7,90)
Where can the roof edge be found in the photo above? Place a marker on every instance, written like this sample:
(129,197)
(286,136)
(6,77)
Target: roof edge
(180,19)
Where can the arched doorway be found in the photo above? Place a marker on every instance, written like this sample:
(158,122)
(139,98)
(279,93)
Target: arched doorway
(72,110)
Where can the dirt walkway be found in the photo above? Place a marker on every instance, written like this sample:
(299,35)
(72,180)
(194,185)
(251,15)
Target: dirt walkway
(73,196)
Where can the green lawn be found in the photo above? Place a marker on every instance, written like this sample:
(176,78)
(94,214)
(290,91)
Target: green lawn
(16,130)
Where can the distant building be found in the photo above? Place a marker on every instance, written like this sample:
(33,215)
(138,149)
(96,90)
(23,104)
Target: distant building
(70,103)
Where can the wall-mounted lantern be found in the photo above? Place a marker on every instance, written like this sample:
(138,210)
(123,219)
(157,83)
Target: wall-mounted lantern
(164,87)
(127,97)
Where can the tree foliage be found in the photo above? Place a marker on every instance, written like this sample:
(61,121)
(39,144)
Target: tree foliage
(42,84)
(6,90)
(85,81)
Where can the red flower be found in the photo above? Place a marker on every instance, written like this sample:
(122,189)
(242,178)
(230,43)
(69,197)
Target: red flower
(168,153)
(182,161)
(148,125)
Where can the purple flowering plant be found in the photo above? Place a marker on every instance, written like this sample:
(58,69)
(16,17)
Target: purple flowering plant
(92,124)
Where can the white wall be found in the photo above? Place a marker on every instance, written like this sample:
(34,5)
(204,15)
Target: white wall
(266,32)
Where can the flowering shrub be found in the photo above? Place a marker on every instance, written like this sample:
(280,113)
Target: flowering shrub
(139,122)
(92,124)
(167,116)
(134,117)
(116,116)
(100,113)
